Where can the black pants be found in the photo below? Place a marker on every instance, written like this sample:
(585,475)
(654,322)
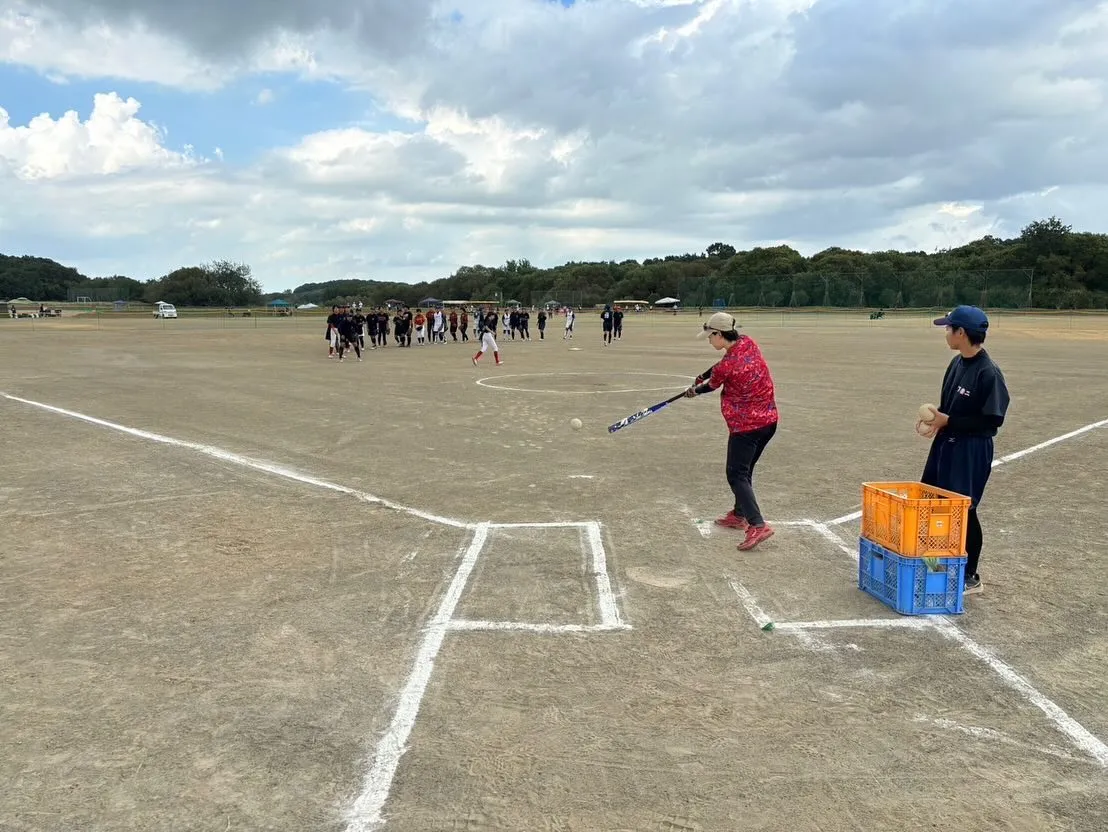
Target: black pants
(962,464)
(743,452)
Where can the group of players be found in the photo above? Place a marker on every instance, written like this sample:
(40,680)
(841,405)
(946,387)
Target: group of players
(349,326)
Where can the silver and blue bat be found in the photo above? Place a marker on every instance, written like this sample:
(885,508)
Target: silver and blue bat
(642,414)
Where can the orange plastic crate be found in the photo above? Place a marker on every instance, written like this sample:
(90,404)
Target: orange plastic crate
(915,520)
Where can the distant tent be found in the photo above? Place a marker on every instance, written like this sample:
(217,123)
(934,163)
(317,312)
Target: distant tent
(430,302)
(278,302)
(307,306)
(667,302)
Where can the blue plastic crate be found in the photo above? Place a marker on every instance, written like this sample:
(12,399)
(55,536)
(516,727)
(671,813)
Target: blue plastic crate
(907,584)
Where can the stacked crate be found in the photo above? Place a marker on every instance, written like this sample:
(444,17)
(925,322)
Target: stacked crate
(912,552)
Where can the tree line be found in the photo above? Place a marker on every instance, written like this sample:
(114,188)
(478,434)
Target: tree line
(1048,265)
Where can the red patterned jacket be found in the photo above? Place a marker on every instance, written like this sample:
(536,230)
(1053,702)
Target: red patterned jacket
(747,401)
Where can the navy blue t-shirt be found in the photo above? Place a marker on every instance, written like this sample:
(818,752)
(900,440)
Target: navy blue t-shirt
(974,396)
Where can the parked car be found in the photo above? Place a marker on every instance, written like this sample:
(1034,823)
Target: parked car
(164,310)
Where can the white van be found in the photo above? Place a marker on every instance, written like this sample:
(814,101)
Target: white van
(164,310)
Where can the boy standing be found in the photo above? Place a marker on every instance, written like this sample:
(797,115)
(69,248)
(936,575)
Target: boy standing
(974,401)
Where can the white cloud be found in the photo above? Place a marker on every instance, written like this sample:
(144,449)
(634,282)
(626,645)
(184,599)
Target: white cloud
(613,129)
(112,141)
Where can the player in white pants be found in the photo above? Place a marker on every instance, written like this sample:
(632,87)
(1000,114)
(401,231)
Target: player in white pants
(487,327)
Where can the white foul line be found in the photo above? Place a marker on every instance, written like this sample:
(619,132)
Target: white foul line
(854,515)
(1000,737)
(365,814)
(1077,733)
(246,462)
(528,627)
(1069,726)
(1049,442)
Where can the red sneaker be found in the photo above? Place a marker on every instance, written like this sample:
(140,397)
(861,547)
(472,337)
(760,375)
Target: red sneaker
(732,521)
(754,536)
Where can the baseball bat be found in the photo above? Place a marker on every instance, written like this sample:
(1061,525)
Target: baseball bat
(642,414)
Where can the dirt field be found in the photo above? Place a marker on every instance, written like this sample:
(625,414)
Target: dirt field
(311,596)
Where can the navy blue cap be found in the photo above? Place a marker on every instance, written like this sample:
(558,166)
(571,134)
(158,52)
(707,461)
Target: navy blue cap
(969,318)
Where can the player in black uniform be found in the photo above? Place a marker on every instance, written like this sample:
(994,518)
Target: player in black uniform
(617,322)
(973,404)
(360,322)
(606,323)
(349,333)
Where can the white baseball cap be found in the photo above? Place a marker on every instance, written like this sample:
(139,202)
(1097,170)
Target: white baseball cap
(719,322)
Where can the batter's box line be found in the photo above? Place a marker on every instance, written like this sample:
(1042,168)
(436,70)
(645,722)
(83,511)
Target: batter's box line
(531,627)
(1078,735)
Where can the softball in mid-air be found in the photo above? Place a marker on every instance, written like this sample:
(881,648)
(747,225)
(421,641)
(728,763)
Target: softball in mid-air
(576,424)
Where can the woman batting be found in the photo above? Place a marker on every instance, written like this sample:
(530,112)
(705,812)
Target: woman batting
(749,408)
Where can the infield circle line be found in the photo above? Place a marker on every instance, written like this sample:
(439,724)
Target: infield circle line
(482,383)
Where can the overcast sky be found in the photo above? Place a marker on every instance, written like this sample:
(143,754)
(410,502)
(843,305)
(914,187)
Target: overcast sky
(401,139)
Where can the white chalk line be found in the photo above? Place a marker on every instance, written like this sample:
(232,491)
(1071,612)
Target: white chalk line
(483,382)
(751,604)
(855,515)
(579,524)
(1000,737)
(365,813)
(247,462)
(530,627)
(1080,736)
(288,473)
(846,623)
(609,611)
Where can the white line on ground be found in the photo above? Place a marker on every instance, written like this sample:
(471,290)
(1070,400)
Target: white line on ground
(1000,737)
(484,382)
(559,525)
(829,534)
(854,515)
(752,608)
(1010,457)
(1077,733)
(365,814)
(846,518)
(246,462)
(844,623)
(526,626)
(609,611)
